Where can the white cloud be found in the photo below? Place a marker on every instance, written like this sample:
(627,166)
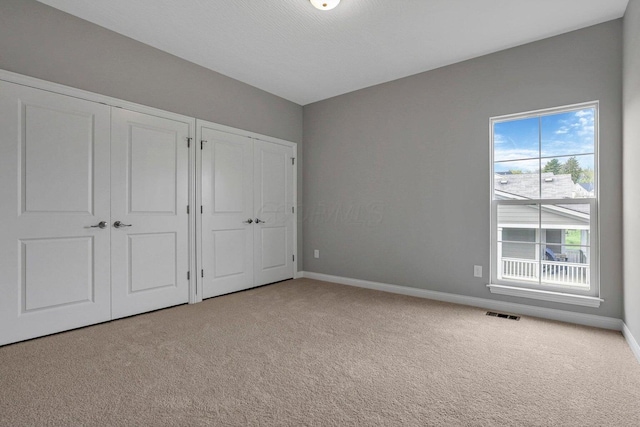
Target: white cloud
(499,139)
(583,113)
(522,165)
(574,135)
(569,136)
(515,154)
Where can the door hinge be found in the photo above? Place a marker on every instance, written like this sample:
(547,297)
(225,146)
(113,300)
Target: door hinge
(188,275)
(293,257)
(293,210)
(201,209)
(189,141)
(293,160)
(187,209)
(201,273)
(202,142)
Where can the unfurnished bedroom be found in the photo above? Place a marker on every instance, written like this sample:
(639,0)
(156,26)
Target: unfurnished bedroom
(319,213)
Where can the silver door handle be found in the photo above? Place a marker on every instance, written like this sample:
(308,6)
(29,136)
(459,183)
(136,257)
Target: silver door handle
(101,224)
(249,221)
(259,221)
(119,224)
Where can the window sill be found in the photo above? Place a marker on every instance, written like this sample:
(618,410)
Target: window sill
(545,295)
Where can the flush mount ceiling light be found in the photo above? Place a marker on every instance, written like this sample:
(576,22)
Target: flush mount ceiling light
(325,4)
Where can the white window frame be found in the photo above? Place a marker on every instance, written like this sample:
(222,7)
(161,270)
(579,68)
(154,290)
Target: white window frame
(547,292)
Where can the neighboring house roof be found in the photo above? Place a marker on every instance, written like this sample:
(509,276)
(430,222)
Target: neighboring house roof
(526,186)
(580,192)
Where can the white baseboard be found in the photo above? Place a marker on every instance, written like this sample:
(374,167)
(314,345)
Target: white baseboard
(522,309)
(635,348)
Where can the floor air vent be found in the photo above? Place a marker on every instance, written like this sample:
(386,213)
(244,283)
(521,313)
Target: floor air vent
(502,315)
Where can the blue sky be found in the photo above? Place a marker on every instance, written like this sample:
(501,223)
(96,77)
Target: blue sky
(517,145)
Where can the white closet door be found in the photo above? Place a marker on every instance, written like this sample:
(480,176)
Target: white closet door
(227,218)
(149,183)
(273,202)
(54,175)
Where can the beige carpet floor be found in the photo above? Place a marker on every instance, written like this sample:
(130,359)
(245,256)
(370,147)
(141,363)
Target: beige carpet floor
(305,352)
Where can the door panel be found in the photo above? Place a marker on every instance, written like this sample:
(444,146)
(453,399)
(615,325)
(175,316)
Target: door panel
(54,170)
(227,199)
(153,261)
(274,247)
(65,261)
(273,202)
(230,252)
(152,170)
(150,252)
(61,141)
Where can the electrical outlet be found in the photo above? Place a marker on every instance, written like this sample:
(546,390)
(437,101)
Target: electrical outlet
(477,271)
(316,253)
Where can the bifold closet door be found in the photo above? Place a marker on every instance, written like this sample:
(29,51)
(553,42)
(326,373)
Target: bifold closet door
(149,220)
(55,231)
(273,205)
(227,212)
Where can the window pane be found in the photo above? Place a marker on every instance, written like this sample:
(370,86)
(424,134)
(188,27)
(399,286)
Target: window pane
(568,134)
(518,246)
(518,262)
(572,218)
(517,180)
(577,254)
(516,139)
(570,268)
(519,235)
(518,217)
(568,177)
(575,237)
(524,251)
(565,229)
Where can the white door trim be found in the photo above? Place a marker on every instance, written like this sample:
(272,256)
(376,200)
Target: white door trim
(33,82)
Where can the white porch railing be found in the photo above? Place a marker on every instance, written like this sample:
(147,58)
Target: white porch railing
(553,272)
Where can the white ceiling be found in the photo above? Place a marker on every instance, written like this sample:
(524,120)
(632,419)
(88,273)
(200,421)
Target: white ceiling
(291,49)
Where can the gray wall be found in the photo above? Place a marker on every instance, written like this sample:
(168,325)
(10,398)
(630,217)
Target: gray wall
(397,176)
(631,150)
(40,41)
